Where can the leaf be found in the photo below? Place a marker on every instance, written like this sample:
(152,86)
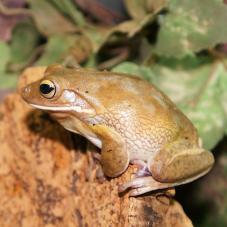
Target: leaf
(8,22)
(139,8)
(136,8)
(97,36)
(198,92)
(5,55)
(127,29)
(91,62)
(48,20)
(100,36)
(55,49)
(68,8)
(208,113)
(8,80)
(186,63)
(61,46)
(191,26)
(104,12)
(132,27)
(135,70)
(24,39)
(223,90)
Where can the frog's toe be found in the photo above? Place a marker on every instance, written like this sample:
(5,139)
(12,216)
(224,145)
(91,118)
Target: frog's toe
(139,191)
(135,183)
(170,191)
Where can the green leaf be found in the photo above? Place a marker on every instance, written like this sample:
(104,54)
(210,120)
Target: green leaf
(5,55)
(207,112)
(91,62)
(133,69)
(97,36)
(200,93)
(191,26)
(59,47)
(8,80)
(24,39)
(69,8)
(56,49)
(188,62)
(223,90)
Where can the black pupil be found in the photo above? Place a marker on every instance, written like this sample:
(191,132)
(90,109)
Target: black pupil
(46,88)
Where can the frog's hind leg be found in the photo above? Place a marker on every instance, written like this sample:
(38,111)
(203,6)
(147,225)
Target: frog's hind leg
(178,164)
(171,167)
(141,185)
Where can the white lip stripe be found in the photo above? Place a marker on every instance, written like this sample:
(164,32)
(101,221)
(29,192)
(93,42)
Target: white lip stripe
(77,109)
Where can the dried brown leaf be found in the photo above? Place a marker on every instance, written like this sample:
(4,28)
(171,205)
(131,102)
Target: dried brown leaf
(48,20)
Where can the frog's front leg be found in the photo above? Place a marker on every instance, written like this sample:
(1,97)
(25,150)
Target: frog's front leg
(114,155)
(175,164)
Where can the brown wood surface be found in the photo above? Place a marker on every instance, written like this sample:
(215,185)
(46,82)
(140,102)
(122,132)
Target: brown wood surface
(48,177)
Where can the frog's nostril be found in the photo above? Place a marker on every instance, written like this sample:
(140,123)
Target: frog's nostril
(26,91)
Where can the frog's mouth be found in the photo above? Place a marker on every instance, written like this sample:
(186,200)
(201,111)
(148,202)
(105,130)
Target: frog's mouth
(62,109)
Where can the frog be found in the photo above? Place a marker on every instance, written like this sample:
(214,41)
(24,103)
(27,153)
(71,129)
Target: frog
(129,119)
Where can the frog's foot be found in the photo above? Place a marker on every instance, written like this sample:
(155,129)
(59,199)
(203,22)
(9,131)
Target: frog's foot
(141,185)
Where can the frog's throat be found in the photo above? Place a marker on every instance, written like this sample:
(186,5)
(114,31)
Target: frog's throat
(91,137)
(77,109)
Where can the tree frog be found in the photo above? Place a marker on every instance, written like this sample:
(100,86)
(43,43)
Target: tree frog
(129,119)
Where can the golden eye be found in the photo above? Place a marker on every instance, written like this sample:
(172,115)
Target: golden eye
(47,89)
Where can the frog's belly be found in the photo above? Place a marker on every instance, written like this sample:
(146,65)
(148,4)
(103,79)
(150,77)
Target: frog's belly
(142,150)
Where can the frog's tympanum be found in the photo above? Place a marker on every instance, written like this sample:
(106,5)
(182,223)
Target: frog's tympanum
(129,119)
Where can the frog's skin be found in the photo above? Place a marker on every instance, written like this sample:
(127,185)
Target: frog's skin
(130,120)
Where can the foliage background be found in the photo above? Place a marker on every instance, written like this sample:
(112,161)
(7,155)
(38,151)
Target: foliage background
(178,45)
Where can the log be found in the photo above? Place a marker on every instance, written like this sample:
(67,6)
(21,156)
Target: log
(48,176)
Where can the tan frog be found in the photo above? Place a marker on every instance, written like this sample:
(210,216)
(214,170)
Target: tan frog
(129,119)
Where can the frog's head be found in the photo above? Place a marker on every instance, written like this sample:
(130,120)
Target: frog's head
(68,95)
(61,93)
(83,92)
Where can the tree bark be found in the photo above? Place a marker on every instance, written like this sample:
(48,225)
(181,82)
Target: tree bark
(48,177)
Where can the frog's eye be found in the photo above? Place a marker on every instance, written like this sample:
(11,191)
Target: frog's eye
(47,89)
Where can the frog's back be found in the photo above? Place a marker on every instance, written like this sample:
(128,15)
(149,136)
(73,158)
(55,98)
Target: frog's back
(142,114)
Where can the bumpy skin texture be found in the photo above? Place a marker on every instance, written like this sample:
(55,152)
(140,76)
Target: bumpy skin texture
(132,119)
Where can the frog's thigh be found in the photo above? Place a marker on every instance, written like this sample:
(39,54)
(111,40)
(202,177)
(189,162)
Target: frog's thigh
(186,164)
(114,154)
